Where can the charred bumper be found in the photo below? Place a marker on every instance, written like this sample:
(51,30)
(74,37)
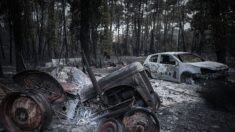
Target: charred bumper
(211,74)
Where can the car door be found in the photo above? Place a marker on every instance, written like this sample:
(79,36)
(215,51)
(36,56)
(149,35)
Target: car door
(168,68)
(153,66)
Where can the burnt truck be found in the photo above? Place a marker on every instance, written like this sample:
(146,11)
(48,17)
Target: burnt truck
(125,96)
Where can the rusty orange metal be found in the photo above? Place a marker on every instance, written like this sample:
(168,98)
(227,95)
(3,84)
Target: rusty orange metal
(140,120)
(42,82)
(111,125)
(25,111)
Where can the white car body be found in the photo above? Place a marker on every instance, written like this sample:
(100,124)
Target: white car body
(176,68)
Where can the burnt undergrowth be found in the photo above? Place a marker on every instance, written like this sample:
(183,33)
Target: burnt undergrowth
(220,95)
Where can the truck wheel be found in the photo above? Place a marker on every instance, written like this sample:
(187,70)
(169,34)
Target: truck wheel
(111,125)
(140,120)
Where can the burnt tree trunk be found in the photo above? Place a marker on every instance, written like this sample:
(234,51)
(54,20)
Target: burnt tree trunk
(126,42)
(2,49)
(11,38)
(219,32)
(51,29)
(151,47)
(41,31)
(1,72)
(16,16)
(85,28)
(65,32)
(138,35)
(182,28)
(165,33)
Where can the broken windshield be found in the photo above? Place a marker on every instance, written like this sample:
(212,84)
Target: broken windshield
(189,58)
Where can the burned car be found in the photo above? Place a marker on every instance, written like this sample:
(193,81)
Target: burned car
(183,67)
(122,96)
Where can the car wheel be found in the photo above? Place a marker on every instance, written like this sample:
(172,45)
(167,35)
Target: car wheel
(187,78)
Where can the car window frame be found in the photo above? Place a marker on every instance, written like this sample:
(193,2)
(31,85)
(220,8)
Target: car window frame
(180,59)
(159,60)
(150,60)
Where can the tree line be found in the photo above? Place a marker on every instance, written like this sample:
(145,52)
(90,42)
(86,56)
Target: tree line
(34,31)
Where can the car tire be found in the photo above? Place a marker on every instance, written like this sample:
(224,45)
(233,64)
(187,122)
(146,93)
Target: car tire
(187,78)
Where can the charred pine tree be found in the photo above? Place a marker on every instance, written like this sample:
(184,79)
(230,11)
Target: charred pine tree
(151,47)
(138,30)
(2,49)
(107,35)
(65,43)
(15,7)
(1,71)
(126,41)
(218,30)
(51,28)
(95,22)
(41,29)
(85,28)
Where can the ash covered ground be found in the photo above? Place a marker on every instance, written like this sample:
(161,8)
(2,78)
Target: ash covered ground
(208,107)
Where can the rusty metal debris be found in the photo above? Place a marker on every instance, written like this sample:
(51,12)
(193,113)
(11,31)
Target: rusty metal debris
(42,82)
(134,119)
(117,93)
(140,120)
(25,111)
(128,82)
(111,125)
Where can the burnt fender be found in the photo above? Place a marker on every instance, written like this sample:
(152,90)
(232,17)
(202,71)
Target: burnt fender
(42,82)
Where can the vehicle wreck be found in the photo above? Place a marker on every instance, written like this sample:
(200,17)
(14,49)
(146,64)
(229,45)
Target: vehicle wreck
(121,97)
(183,67)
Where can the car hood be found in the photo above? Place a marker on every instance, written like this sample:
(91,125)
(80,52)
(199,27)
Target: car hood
(210,65)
